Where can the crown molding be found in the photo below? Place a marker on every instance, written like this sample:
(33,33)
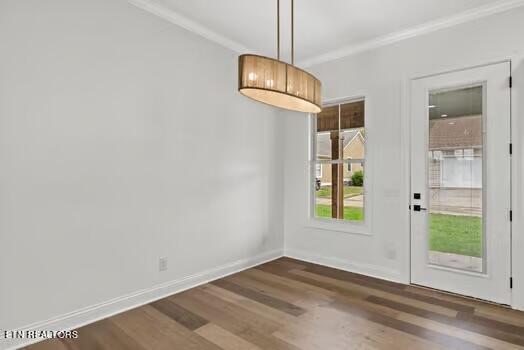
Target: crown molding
(470,15)
(432,26)
(174,17)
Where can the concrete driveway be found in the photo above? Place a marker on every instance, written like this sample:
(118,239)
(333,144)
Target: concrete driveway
(356,201)
(452,201)
(456,201)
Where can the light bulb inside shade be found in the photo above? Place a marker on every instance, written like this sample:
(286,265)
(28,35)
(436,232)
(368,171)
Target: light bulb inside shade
(252,76)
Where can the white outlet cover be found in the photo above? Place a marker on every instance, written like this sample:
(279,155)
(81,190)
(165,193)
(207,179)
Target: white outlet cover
(162,264)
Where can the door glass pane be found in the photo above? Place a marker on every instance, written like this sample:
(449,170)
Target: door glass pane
(354,191)
(354,150)
(328,127)
(323,145)
(455,172)
(323,192)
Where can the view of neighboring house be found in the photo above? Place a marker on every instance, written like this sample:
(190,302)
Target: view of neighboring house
(353,144)
(455,165)
(455,152)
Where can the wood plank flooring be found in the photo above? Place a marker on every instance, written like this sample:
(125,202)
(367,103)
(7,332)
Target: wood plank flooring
(295,305)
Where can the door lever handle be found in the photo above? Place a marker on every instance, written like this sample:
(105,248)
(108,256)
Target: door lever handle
(417,207)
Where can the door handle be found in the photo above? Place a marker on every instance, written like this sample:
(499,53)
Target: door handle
(417,207)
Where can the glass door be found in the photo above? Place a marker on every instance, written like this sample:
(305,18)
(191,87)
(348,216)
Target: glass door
(460,181)
(454,177)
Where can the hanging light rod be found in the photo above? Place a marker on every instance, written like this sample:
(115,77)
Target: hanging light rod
(278,83)
(278,30)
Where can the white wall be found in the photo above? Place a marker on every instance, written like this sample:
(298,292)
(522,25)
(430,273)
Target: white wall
(380,75)
(122,140)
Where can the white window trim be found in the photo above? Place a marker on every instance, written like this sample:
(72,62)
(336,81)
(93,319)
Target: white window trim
(338,225)
(470,154)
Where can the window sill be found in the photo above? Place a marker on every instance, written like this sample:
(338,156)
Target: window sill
(339,226)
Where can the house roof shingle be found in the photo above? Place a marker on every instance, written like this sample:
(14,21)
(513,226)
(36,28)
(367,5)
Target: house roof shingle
(451,133)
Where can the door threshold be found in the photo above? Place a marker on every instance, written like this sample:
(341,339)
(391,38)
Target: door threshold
(461,296)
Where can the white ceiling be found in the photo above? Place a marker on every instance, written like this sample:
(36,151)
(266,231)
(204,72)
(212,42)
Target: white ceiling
(325,29)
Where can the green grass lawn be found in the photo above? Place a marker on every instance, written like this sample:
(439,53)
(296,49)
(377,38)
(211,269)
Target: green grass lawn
(350,213)
(448,233)
(456,234)
(349,191)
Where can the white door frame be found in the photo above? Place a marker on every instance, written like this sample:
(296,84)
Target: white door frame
(517,239)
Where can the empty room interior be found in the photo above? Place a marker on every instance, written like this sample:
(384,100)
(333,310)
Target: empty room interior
(262,174)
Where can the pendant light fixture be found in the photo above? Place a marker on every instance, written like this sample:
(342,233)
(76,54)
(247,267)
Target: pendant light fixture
(278,83)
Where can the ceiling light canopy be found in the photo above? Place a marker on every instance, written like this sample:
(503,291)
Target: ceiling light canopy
(278,83)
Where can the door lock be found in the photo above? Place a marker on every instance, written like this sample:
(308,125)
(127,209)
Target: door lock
(417,207)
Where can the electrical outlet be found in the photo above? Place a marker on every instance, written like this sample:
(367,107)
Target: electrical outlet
(162,264)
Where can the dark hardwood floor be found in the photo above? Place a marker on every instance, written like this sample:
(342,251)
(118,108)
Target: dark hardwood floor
(290,304)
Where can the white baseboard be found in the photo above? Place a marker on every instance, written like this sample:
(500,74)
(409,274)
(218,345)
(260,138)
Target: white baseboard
(346,265)
(115,306)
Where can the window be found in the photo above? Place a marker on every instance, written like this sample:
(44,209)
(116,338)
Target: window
(469,154)
(318,171)
(339,150)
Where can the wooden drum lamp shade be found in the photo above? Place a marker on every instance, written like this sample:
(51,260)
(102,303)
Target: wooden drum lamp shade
(278,83)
